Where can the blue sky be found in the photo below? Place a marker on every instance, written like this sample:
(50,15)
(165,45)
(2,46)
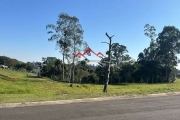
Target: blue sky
(23,33)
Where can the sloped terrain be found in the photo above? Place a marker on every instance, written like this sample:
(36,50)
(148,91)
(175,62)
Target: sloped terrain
(16,86)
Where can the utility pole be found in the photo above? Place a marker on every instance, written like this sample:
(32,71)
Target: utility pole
(108,64)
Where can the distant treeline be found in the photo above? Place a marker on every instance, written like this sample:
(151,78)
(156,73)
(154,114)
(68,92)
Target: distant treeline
(155,64)
(16,64)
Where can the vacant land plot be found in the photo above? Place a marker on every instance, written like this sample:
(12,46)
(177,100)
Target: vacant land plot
(18,87)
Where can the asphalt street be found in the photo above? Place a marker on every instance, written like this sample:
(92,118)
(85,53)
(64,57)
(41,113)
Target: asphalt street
(145,108)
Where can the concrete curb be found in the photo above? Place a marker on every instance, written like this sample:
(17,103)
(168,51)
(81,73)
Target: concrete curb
(11,105)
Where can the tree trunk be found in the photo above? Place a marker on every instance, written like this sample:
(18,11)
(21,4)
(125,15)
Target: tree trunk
(108,66)
(107,78)
(63,65)
(152,79)
(168,72)
(70,74)
(73,71)
(73,62)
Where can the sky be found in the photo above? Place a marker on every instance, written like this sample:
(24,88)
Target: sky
(23,33)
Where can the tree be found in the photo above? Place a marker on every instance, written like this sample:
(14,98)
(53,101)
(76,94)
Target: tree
(61,33)
(157,62)
(52,67)
(108,63)
(100,72)
(147,58)
(29,66)
(150,52)
(76,40)
(126,72)
(169,44)
(69,36)
(81,71)
(4,60)
(150,32)
(118,55)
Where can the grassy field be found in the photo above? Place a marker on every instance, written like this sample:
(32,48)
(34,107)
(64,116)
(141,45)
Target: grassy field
(18,87)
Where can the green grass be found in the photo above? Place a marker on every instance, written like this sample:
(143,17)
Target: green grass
(17,87)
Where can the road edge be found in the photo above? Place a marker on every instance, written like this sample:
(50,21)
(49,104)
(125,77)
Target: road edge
(12,105)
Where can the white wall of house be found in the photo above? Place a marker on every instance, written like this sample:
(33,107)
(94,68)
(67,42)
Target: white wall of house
(37,71)
(4,66)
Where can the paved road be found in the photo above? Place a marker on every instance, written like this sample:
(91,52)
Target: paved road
(149,108)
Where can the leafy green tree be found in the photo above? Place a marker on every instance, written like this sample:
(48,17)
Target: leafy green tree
(4,60)
(93,78)
(126,72)
(81,70)
(29,66)
(76,33)
(100,72)
(52,67)
(118,54)
(159,59)
(150,32)
(62,33)
(68,33)
(21,66)
(150,52)
(169,44)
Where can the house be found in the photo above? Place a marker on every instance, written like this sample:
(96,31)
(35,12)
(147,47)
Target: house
(4,66)
(38,69)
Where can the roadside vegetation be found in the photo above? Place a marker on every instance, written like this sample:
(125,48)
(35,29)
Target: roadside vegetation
(18,87)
